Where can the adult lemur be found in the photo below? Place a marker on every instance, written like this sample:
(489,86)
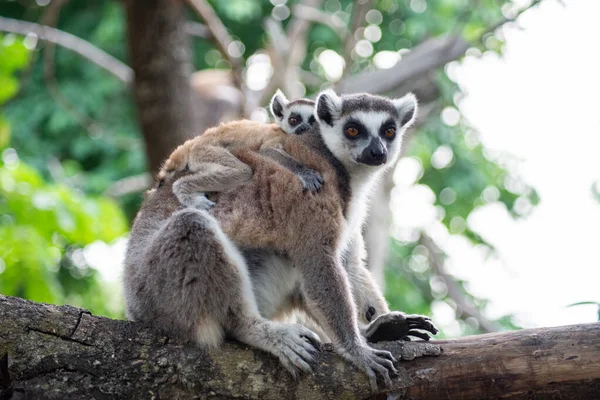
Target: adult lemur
(301,249)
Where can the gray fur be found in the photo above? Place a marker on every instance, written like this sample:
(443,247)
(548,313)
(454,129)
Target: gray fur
(185,277)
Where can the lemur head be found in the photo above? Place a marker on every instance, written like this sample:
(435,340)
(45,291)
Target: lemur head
(363,129)
(294,117)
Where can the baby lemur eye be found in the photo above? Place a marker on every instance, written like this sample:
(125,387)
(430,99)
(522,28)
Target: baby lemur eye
(293,121)
(351,131)
(390,132)
(312,120)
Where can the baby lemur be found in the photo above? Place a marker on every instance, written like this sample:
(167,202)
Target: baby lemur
(300,249)
(294,117)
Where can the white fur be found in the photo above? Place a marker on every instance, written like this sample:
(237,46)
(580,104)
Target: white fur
(236,259)
(274,282)
(333,100)
(405,104)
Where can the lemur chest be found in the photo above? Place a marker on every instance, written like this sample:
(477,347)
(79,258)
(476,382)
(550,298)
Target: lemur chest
(275,282)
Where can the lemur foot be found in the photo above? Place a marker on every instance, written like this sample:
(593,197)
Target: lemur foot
(399,326)
(311,179)
(375,363)
(294,345)
(201,202)
(197,200)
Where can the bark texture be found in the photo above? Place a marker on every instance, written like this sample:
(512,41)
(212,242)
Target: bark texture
(161,60)
(66,353)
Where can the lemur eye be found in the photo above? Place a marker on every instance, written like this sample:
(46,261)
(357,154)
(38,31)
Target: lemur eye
(352,131)
(312,120)
(293,121)
(390,132)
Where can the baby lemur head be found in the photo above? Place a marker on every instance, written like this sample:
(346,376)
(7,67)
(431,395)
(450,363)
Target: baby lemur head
(293,117)
(363,129)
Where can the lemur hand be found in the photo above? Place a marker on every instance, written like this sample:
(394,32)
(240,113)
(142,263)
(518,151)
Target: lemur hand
(399,326)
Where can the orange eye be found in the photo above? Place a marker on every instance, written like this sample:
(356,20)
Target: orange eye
(390,132)
(352,132)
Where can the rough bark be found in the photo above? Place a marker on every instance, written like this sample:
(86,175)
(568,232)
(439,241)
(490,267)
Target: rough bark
(66,353)
(160,57)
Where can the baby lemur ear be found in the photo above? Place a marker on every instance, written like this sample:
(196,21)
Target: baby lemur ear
(407,109)
(278,103)
(328,107)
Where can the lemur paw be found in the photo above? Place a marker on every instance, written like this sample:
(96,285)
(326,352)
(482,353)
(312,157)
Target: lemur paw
(373,362)
(398,326)
(311,180)
(201,202)
(296,347)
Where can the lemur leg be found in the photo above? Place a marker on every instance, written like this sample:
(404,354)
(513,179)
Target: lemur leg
(202,291)
(376,321)
(215,169)
(212,169)
(311,179)
(326,292)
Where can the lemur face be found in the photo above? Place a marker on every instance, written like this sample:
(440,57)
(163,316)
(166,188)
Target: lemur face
(364,129)
(293,117)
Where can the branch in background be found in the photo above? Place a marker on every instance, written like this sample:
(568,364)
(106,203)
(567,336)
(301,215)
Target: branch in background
(129,185)
(197,29)
(455,291)
(431,54)
(287,65)
(318,16)
(50,18)
(511,19)
(359,12)
(71,42)
(427,56)
(220,36)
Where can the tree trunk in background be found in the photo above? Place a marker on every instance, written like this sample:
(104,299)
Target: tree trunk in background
(161,59)
(66,353)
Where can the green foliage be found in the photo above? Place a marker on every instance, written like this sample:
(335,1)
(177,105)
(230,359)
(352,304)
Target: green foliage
(42,225)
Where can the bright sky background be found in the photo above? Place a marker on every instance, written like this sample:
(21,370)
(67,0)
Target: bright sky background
(539,102)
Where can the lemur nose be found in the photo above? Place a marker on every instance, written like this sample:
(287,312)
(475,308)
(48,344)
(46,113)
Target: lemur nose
(302,128)
(377,154)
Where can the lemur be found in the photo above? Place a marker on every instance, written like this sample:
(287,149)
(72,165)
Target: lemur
(183,270)
(293,117)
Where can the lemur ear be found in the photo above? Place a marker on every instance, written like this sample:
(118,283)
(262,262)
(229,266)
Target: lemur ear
(328,107)
(278,103)
(407,109)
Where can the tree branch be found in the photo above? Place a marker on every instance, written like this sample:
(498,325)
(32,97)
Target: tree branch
(427,56)
(318,16)
(220,36)
(71,42)
(359,11)
(129,185)
(455,292)
(197,29)
(512,19)
(66,353)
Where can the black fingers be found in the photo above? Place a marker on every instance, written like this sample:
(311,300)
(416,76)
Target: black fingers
(311,180)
